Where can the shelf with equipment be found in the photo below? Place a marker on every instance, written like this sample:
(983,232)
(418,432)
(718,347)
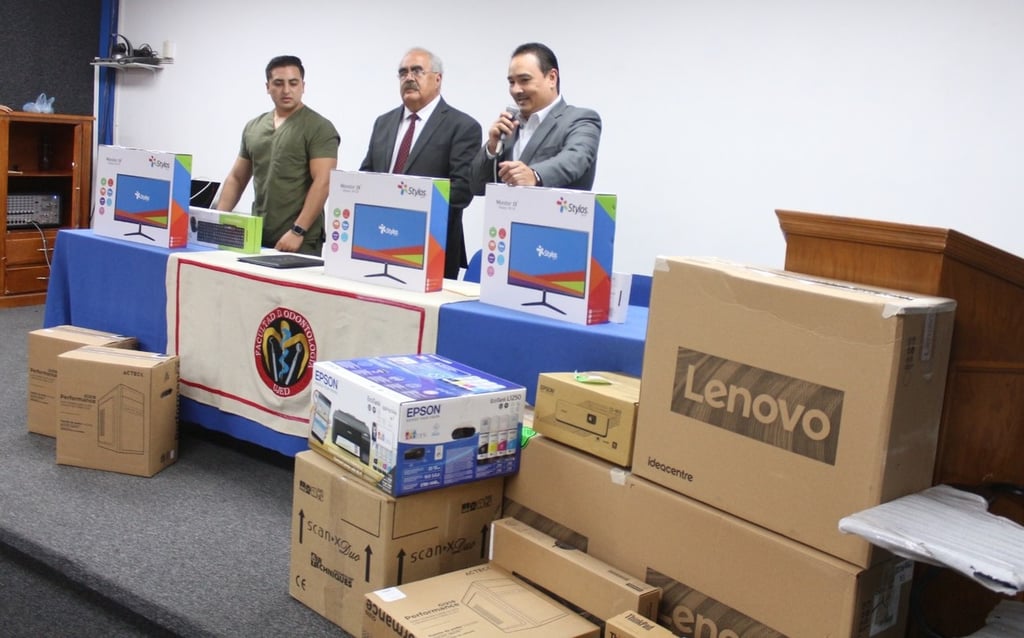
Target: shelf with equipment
(45,173)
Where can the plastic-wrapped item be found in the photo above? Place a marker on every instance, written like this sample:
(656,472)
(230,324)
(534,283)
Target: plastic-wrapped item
(42,104)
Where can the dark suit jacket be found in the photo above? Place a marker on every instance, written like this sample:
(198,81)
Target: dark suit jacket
(563,150)
(445,148)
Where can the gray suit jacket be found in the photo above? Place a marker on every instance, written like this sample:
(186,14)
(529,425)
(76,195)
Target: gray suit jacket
(563,151)
(445,148)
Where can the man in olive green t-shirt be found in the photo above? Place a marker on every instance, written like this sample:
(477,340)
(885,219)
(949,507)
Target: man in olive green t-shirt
(289,154)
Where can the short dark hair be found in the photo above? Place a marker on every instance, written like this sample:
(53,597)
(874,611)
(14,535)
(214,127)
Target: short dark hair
(286,60)
(545,56)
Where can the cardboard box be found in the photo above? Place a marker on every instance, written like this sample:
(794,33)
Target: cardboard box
(387,229)
(548,252)
(569,575)
(415,422)
(142,196)
(237,232)
(718,573)
(789,400)
(483,602)
(118,410)
(44,345)
(598,418)
(349,538)
(630,624)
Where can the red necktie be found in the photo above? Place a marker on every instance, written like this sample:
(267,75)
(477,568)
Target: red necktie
(403,148)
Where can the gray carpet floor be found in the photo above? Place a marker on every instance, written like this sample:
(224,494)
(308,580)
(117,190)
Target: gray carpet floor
(200,549)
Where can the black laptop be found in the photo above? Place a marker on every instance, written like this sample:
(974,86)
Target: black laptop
(283,260)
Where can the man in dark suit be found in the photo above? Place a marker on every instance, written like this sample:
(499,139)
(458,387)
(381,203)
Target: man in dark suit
(548,142)
(439,141)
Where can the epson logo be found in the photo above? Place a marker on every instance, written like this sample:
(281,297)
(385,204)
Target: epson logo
(545,253)
(423,410)
(322,378)
(385,230)
(141,196)
(793,414)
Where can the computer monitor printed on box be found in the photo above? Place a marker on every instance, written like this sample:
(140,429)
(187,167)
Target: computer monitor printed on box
(555,242)
(142,196)
(386,229)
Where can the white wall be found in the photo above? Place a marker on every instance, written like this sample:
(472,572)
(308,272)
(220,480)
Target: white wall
(716,112)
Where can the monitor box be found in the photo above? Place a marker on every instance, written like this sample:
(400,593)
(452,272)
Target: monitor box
(630,624)
(387,229)
(142,196)
(418,422)
(548,252)
(593,411)
(118,410)
(718,573)
(237,232)
(827,394)
(573,577)
(482,602)
(349,538)
(44,346)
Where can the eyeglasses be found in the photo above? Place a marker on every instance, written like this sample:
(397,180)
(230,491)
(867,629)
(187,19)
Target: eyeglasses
(416,71)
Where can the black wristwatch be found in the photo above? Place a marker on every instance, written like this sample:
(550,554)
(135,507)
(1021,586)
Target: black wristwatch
(299,230)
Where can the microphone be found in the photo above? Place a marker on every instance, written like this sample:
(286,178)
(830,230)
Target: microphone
(514,111)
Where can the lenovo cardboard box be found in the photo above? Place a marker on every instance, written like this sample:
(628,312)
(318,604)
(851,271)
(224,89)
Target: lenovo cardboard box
(44,346)
(548,252)
(387,229)
(630,624)
(592,411)
(573,577)
(789,400)
(410,423)
(718,573)
(482,602)
(349,538)
(118,410)
(221,230)
(142,196)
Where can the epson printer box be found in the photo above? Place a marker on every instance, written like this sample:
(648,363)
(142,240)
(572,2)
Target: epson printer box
(142,196)
(387,229)
(548,252)
(415,422)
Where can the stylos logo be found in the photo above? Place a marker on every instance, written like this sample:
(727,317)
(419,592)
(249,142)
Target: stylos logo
(155,162)
(793,414)
(545,253)
(405,189)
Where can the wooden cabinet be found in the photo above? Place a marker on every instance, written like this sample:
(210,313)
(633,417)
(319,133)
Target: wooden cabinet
(46,164)
(981,435)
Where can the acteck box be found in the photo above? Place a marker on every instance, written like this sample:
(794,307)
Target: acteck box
(719,575)
(482,602)
(44,346)
(387,229)
(415,422)
(548,252)
(142,196)
(630,624)
(238,232)
(118,410)
(592,411)
(568,574)
(789,400)
(349,538)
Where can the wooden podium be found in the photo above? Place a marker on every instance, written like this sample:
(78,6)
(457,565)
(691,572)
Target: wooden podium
(981,436)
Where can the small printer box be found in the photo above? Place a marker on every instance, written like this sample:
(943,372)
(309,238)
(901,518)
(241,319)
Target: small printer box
(594,412)
(415,422)
(387,229)
(142,196)
(226,231)
(548,252)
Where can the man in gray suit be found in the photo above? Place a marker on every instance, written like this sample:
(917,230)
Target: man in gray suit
(548,142)
(428,138)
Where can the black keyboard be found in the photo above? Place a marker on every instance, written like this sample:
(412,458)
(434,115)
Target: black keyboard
(221,234)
